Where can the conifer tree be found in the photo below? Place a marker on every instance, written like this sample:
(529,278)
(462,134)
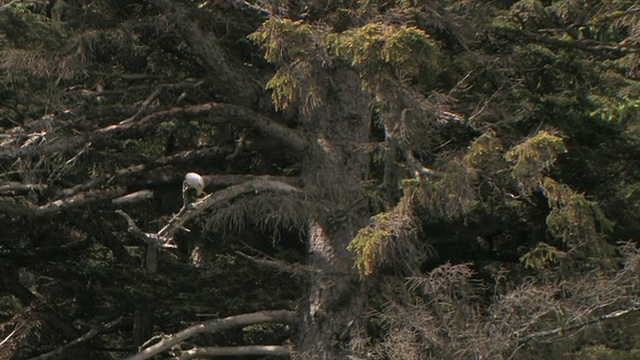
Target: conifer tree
(387,180)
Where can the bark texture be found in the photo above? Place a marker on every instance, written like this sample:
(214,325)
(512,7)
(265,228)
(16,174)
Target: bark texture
(334,302)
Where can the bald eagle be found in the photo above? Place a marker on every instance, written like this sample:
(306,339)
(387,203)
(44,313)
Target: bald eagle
(192,187)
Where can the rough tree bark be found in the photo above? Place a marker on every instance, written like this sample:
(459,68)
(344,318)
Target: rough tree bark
(334,170)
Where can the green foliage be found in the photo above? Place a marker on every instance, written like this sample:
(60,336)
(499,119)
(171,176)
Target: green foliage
(450,196)
(292,85)
(624,108)
(604,352)
(28,41)
(573,218)
(285,40)
(294,47)
(389,241)
(23,29)
(381,50)
(367,244)
(485,151)
(543,256)
(532,157)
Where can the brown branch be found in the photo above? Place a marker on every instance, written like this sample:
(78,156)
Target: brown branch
(279,265)
(214,326)
(148,238)
(240,184)
(84,338)
(250,350)
(419,170)
(133,197)
(15,330)
(117,195)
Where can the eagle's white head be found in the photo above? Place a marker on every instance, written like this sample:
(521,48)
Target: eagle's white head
(194,181)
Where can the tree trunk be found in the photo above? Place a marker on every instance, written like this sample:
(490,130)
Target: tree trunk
(333,175)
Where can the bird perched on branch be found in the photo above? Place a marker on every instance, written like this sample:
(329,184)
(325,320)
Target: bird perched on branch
(192,187)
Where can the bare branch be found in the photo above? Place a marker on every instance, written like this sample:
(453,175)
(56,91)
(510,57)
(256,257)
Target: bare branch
(123,176)
(148,238)
(133,197)
(251,350)
(247,117)
(159,90)
(581,325)
(8,337)
(214,326)
(279,265)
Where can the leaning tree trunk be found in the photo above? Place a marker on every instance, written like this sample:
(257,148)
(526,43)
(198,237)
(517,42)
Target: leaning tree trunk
(333,174)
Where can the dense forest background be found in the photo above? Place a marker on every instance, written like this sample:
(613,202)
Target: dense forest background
(384,179)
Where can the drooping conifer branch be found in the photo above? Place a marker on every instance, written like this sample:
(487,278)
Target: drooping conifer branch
(189,212)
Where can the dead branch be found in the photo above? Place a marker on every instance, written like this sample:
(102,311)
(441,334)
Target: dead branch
(84,193)
(159,90)
(279,265)
(117,196)
(214,326)
(82,339)
(148,238)
(133,197)
(122,176)
(8,337)
(251,350)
